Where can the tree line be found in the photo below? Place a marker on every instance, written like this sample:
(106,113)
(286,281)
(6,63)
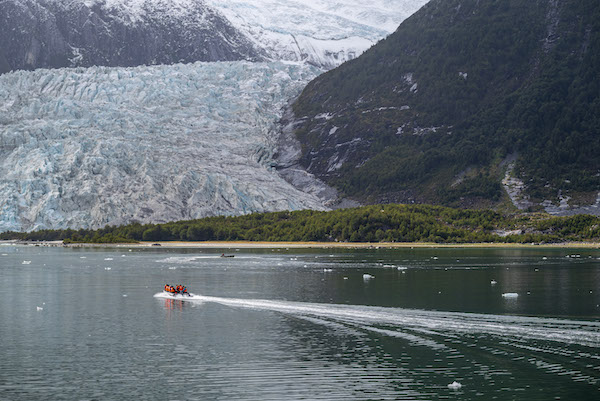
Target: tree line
(377,223)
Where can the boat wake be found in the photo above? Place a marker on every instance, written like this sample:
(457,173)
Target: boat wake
(535,340)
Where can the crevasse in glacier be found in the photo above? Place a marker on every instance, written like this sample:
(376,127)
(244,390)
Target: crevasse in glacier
(97,146)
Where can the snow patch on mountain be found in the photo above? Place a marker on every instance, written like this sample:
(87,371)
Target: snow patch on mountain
(97,146)
(321,32)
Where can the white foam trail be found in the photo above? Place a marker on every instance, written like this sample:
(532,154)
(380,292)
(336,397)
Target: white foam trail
(430,323)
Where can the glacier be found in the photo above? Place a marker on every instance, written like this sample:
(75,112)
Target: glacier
(324,33)
(85,148)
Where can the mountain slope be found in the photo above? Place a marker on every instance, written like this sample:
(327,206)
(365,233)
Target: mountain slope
(56,33)
(461,94)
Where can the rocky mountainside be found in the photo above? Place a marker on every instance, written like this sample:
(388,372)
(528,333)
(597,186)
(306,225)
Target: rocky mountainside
(467,103)
(57,33)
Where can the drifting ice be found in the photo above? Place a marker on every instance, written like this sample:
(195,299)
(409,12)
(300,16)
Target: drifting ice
(455,385)
(510,295)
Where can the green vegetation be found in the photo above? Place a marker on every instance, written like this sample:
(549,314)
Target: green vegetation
(387,223)
(494,78)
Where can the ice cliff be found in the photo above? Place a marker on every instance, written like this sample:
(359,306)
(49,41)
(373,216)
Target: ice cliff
(91,147)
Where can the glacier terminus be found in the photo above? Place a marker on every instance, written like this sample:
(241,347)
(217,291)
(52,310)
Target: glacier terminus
(97,146)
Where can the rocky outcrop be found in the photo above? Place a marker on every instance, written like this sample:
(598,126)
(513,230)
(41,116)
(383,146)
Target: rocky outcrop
(52,33)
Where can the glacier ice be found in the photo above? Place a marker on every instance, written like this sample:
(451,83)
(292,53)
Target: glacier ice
(90,147)
(325,33)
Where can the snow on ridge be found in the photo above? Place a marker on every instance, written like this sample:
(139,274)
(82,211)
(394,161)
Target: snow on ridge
(136,10)
(321,32)
(97,146)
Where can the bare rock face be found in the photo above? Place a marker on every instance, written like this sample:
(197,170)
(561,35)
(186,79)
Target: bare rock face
(52,34)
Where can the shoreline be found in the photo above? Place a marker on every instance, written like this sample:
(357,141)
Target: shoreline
(315,245)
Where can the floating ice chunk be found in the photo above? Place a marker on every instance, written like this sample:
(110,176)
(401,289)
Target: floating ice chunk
(122,256)
(6,254)
(39,308)
(402,268)
(83,257)
(510,295)
(26,262)
(455,385)
(435,258)
(327,270)
(124,295)
(493,282)
(107,268)
(367,276)
(544,258)
(345,278)
(108,258)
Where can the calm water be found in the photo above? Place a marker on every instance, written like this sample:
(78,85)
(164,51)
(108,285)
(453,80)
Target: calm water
(299,324)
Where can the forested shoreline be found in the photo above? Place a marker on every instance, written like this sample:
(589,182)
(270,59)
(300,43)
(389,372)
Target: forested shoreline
(377,223)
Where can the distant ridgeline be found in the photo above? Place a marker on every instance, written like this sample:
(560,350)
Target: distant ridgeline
(465,97)
(389,223)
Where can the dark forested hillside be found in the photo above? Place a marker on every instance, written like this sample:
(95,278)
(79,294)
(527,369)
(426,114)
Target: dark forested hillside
(462,95)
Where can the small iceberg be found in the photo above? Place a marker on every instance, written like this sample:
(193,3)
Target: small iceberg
(455,385)
(367,276)
(39,308)
(26,262)
(327,270)
(108,258)
(510,295)
(493,282)
(107,268)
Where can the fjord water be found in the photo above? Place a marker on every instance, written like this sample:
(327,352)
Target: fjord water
(274,324)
